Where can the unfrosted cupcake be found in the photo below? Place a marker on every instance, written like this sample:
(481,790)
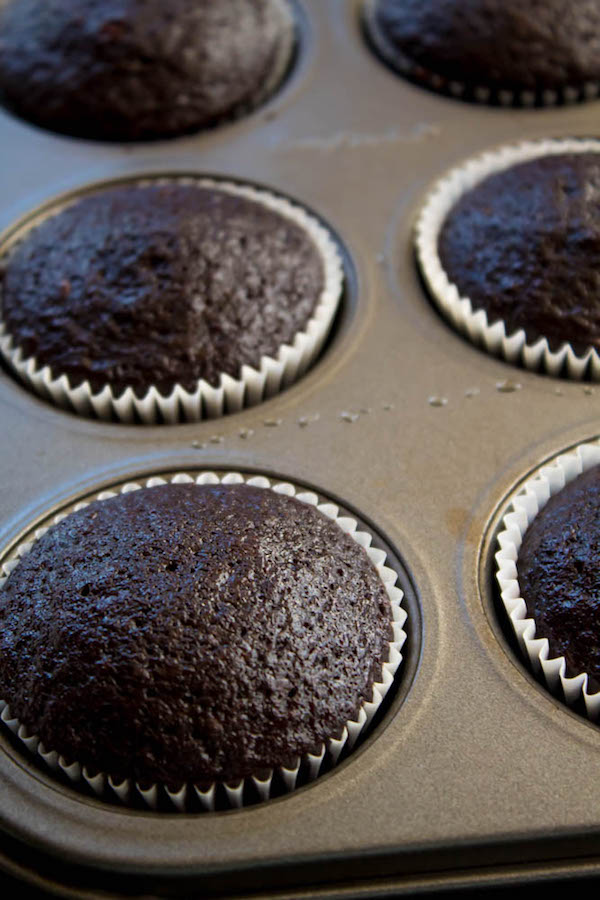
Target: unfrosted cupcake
(558,574)
(139,69)
(548,574)
(508,244)
(507,51)
(186,636)
(172,299)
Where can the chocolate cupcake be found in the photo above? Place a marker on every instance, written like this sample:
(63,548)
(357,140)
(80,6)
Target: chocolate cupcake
(129,70)
(558,574)
(173,299)
(189,635)
(548,573)
(507,244)
(497,51)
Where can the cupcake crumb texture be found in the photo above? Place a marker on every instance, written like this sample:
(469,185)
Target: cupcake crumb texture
(158,285)
(523,246)
(187,633)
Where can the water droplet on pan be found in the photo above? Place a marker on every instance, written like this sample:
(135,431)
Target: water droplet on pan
(246,433)
(472,392)
(348,416)
(216,438)
(272,423)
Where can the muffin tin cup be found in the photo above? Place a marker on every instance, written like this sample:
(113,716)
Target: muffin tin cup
(494,337)
(261,785)
(489,94)
(536,492)
(253,385)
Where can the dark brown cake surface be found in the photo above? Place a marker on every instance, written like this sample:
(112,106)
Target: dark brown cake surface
(159,285)
(137,69)
(191,633)
(503,44)
(558,574)
(524,245)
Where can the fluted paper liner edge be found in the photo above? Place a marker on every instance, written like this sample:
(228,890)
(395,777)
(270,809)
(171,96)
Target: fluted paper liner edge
(233,795)
(477,92)
(473,323)
(523,509)
(253,385)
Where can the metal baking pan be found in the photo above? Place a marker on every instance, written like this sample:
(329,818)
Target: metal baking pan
(475,775)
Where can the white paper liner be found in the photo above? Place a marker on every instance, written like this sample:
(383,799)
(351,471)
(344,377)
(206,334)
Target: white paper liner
(473,323)
(523,509)
(232,795)
(488,94)
(205,401)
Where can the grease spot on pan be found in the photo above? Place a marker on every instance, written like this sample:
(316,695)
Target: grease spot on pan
(455,519)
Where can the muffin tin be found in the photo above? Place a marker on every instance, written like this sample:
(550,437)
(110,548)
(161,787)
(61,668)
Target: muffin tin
(475,775)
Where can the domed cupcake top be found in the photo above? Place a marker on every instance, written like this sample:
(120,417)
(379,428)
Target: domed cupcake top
(191,633)
(515,45)
(139,69)
(523,245)
(557,570)
(160,284)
